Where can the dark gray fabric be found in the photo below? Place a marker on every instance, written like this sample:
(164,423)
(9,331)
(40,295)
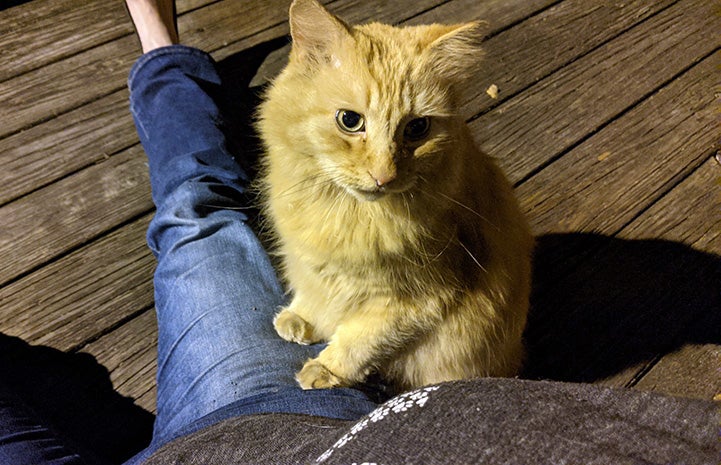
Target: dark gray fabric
(272,438)
(494,421)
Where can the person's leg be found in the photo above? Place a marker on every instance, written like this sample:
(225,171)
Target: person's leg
(216,291)
(154,22)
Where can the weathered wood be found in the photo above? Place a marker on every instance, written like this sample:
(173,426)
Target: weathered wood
(63,85)
(64,145)
(621,146)
(692,371)
(690,213)
(561,110)
(629,301)
(505,53)
(540,45)
(70,212)
(129,353)
(44,31)
(82,78)
(79,296)
(73,140)
(603,183)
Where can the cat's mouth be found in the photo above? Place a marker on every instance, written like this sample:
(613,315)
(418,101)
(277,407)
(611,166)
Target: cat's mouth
(367,195)
(376,193)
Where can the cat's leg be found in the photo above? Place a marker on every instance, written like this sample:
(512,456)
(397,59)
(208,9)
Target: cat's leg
(294,328)
(311,316)
(363,341)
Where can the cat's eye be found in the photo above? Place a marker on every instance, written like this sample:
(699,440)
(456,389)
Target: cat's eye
(417,128)
(349,121)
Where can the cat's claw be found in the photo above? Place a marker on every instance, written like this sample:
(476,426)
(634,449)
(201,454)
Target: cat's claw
(315,375)
(293,328)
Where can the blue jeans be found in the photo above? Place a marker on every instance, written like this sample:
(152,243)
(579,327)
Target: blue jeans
(215,289)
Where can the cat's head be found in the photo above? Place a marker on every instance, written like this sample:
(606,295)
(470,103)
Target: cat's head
(372,107)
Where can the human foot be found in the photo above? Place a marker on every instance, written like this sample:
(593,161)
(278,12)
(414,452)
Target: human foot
(154,22)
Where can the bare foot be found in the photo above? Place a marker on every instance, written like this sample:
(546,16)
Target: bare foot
(154,22)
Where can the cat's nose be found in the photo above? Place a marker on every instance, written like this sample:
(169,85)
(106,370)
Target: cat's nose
(382,176)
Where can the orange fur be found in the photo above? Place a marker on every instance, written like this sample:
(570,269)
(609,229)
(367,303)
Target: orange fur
(410,256)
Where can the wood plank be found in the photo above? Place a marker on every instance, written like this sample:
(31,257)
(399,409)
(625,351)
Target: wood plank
(84,77)
(74,299)
(688,214)
(603,183)
(45,31)
(64,85)
(70,212)
(608,317)
(543,43)
(692,371)
(534,62)
(557,113)
(605,306)
(66,144)
(129,354)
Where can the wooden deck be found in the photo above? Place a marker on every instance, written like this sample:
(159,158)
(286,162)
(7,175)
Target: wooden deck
(607,122)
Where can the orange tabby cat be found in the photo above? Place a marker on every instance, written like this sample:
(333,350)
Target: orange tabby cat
(401,242)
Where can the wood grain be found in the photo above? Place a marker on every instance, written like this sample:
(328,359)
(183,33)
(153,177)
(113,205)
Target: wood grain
(70,212)
(65,144)
(689,214)
(129,354)
(45,31)
(632,300)
(603,183)
(606,113)
(692,371)
(561,110)
(76,298)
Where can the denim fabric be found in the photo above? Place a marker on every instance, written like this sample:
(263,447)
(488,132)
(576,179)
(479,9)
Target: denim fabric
(215,289)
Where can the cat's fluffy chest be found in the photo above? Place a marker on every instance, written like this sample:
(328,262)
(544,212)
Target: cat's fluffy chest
(394,246)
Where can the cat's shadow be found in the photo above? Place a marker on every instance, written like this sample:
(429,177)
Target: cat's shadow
(601,305)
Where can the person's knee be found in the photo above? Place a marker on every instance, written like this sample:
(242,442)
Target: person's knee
(194,209)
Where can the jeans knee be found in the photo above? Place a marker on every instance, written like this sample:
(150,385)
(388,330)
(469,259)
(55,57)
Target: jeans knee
(195,209)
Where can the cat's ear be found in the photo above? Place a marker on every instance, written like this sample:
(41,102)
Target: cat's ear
(455,51)
(317,34)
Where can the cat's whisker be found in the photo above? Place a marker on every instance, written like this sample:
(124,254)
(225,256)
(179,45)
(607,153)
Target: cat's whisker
(462,205)
(473,257)
(337,203)
(307,184)
(450,199)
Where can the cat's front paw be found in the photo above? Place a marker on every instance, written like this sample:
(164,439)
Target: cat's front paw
(315,375)
(293,328)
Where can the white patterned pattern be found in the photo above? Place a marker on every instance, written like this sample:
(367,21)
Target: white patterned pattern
(399,404)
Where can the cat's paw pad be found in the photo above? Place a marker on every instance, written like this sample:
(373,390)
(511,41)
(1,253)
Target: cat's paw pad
(315,375)
(293,328)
